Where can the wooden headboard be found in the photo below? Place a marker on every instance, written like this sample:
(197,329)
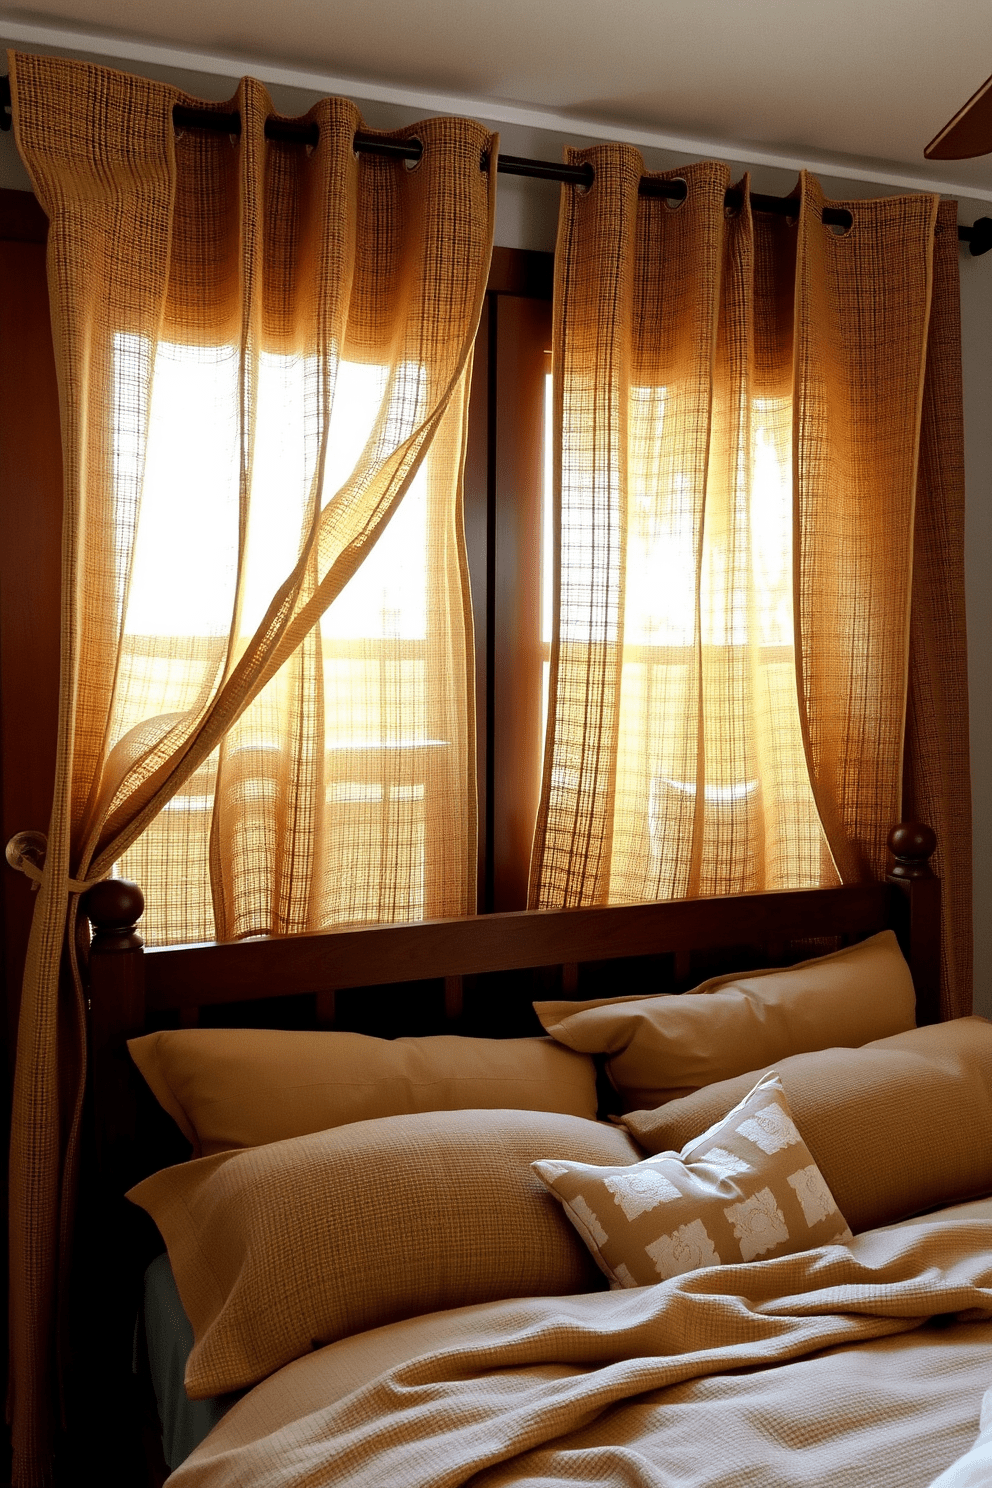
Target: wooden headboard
(475,975)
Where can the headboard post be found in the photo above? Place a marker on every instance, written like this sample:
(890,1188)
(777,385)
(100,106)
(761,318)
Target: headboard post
(912,845)
(116,1013)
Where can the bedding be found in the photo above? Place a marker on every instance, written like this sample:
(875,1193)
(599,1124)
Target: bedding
(306,1266)
(344,1366)
(663,1047)
(280,1248)
(655,1387)
(169,1341)
(746,1188)
(974,1469)
(898,1126)
(240,1087)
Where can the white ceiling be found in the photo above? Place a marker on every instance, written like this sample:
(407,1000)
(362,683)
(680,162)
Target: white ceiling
(866,80)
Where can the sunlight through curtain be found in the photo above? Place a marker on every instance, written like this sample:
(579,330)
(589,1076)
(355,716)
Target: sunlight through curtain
(751,521)
(263,351)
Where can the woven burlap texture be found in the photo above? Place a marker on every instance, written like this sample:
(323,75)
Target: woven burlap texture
(287,261)
(759,547)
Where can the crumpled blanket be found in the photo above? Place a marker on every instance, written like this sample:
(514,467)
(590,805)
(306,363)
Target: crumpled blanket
(974,1469)
(810,1368)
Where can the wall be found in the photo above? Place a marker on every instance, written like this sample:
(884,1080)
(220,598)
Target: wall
(526,218)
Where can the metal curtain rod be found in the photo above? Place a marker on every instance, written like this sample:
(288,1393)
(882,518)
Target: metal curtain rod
(288,131)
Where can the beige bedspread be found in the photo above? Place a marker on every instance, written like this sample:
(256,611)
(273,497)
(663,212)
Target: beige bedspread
(661,1386)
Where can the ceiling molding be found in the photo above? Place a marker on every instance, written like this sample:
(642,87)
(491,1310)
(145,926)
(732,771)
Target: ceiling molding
(162,54)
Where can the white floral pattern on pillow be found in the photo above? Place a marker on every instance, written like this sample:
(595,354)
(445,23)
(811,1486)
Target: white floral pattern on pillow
(813,1194)
(759,1224)
(688,1249)
(771,1129)
(640,1190)
(727,1164)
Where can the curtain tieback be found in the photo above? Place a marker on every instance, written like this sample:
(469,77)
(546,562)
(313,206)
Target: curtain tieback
(26,852)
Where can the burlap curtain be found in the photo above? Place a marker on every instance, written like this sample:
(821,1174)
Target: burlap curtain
(250,285)
(759,548)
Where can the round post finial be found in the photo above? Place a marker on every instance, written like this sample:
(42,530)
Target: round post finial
(113,907)
(912,844)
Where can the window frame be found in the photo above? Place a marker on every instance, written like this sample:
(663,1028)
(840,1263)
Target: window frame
(504,478)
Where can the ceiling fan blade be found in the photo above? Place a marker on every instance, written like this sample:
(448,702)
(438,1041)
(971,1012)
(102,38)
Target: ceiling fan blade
(969,133)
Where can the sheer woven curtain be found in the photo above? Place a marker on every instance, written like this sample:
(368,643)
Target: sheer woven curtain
(263,353)
(759,504)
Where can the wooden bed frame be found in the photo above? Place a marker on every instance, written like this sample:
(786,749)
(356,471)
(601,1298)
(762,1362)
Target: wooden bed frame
(475,976)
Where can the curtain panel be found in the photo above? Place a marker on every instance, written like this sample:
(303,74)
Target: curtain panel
(216,303)
(758,657)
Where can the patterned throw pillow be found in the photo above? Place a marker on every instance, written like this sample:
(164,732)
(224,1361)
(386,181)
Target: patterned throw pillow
(746,1190)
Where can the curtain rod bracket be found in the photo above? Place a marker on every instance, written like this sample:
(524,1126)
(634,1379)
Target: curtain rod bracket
(979,237)
(290,131)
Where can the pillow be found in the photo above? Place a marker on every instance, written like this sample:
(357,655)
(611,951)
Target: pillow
(239,1087)
(666,1046)
(745,1190)
(282,1248)
(899,1126)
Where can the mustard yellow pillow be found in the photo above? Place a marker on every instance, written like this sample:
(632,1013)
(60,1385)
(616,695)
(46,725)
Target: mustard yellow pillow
(664,1047)
(239,1087)
(745,1190)
(897,1127)
(285,1247)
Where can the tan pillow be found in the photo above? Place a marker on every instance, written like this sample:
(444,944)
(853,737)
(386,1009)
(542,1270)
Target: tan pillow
(239,1087)
(282,1248)
(745,1190)
(897,1127)
(663,1047)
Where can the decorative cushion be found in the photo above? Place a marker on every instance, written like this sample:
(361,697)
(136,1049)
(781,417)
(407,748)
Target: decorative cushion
(745,1190)
(663,1047)
(239,1087)
(285,1247)
(899,1126)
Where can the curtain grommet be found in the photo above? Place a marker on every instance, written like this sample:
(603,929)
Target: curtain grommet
(838,229)
(675,204)
(583,188)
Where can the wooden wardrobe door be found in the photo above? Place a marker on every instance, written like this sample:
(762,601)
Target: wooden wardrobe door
(30,563)
(30,582)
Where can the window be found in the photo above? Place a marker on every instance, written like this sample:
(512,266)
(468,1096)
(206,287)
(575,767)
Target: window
(381,750)
(383,755)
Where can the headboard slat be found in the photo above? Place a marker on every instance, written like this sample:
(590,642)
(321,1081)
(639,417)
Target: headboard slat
(281,966)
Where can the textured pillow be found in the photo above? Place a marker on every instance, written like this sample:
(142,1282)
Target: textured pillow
(897,1127)
(285,1247)
(663,1047)
(746,1189)
(239,1087)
